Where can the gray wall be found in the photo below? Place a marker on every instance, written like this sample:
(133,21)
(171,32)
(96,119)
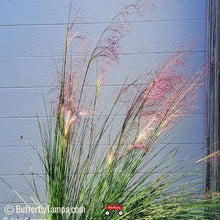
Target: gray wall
(32,35)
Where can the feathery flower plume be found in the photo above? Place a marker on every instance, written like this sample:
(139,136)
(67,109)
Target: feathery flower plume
(157,106)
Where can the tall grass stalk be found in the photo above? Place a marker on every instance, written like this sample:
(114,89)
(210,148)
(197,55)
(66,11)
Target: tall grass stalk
(79,173)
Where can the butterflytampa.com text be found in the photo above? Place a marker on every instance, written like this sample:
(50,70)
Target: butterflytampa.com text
(18,209)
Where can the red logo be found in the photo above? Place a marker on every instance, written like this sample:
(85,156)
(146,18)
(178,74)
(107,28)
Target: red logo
(113,206)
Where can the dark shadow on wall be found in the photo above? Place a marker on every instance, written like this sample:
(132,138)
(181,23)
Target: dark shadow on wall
(213,98)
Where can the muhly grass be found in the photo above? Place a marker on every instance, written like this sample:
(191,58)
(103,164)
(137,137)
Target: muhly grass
(76,175)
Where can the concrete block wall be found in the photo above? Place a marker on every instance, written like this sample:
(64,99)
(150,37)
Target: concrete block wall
(32,37)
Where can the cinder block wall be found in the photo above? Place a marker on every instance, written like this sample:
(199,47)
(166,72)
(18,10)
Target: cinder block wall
(32,37)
